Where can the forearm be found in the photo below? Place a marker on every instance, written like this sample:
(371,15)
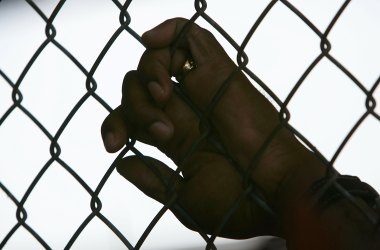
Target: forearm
(340,226)
(306,225)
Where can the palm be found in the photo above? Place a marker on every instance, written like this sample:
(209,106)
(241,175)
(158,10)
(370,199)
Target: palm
(210,186)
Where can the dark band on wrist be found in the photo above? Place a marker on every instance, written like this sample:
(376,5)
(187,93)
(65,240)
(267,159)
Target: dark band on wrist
(330,189)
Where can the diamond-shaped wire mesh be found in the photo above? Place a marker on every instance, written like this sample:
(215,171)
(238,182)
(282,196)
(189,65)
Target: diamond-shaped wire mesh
(57,123)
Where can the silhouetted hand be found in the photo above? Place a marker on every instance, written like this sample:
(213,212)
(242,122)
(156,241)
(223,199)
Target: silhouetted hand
(242,120)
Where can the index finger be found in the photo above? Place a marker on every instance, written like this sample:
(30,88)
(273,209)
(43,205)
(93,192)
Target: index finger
(200,42)
(166,33)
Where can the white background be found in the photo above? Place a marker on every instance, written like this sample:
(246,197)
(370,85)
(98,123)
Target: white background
(324,109)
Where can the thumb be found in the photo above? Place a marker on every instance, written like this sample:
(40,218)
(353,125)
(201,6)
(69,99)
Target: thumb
(151,176)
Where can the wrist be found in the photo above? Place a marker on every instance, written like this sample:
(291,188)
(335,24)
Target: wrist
(291,195)
(341,226)
(326,218)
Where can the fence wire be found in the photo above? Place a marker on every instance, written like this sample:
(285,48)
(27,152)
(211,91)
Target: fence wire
(251,190)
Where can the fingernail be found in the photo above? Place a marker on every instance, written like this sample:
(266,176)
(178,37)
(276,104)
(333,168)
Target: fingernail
(109,140)
(160,130)
(155,90)
(146,36)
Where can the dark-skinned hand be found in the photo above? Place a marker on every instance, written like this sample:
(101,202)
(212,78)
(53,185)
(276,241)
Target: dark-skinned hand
(242,119)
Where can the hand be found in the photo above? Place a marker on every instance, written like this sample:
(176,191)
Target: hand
(242,120)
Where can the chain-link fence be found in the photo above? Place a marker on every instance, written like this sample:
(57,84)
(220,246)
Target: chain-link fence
(355,98)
